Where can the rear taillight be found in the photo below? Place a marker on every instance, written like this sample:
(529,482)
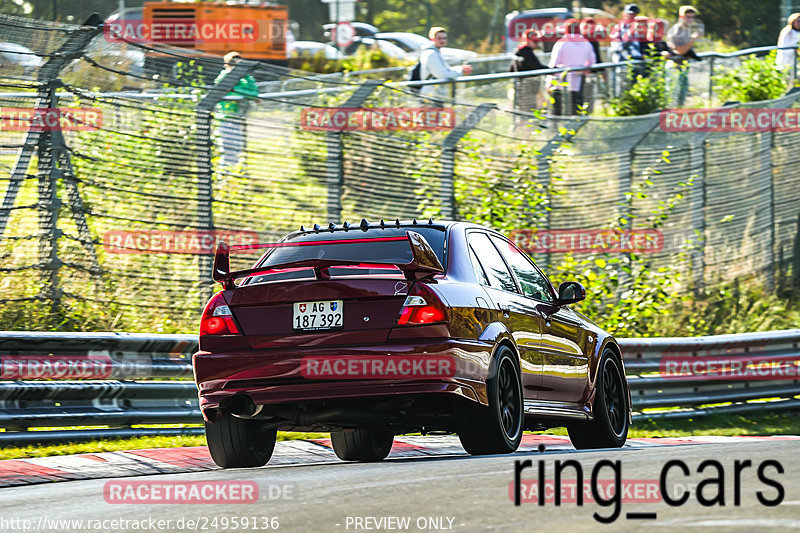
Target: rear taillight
(422,306)
(217,318)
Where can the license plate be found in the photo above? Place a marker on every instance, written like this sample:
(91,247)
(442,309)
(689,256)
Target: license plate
(326,314)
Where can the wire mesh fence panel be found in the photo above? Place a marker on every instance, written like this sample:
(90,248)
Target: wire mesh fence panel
(109,219)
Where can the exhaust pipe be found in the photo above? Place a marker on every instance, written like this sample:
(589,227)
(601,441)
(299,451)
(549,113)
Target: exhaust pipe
(241,405)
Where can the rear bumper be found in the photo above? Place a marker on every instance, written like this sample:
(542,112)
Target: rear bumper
(276,376)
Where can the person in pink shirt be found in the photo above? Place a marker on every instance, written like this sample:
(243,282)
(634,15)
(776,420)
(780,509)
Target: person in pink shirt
(572,50)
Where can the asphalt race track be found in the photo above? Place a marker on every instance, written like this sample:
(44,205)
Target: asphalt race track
(449,492)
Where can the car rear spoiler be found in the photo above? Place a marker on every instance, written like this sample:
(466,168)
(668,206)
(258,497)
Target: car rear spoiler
(423,264)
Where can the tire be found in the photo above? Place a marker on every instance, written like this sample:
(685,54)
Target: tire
(237,443)
(363,445)
(609,429)
(496,428)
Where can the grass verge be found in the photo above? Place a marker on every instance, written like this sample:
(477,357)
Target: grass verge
(720,425)
(138,443)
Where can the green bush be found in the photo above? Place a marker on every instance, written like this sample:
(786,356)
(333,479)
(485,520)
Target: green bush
(756,79)
(644,95)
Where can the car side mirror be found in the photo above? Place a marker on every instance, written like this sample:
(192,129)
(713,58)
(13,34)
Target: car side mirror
(570,292)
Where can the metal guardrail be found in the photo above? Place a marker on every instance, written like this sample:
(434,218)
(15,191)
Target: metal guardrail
(27,406)
(655,396)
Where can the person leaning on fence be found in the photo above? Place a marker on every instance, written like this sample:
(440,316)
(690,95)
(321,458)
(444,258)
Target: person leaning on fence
(525,57)
(621,33)
(681,38)
(434,67)
(526,90)
(232,112)
(656,49)
(627,45)
(572,50)
(789,36)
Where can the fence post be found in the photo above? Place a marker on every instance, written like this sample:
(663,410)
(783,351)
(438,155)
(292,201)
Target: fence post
(334,161)
(205,176)
(48,73)
(625,188)
(543,175)
(772,284)
(53,158)
(447,159)
(795,294)
(697,204)
(710,81)
(70,182)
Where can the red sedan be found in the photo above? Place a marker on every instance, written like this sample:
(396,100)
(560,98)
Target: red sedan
(375,330)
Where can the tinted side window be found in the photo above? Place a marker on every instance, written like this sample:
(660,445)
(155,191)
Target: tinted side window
(493,264)
(533,283)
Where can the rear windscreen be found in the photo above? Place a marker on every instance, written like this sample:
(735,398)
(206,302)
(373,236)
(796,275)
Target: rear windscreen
(380,246)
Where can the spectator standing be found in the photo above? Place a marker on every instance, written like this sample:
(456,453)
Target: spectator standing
(572,50)
(232,125)
(525,59)
(681,38)
(621,34)
(789,36)
(592,33)
(656,49)
(625,45)
(434,67)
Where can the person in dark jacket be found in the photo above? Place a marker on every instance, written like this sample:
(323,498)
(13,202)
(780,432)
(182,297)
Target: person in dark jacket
(592,33)
(526,89)
(525,57)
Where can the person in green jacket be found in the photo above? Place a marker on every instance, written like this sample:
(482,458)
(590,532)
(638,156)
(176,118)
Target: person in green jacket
(232,112)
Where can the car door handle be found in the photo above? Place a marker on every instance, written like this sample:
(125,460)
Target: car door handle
(505,309)
(544,316)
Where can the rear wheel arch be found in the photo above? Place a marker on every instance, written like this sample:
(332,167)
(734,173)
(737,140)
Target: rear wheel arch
(496,427)
(507,342)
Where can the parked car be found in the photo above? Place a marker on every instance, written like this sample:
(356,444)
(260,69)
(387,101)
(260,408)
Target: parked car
(16,55)
(311,49)
(413,43)
(388,48)
(508,352)
(362,29)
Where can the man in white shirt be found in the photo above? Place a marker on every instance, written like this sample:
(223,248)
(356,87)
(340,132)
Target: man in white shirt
(790,35)
(572,50)
(434,67)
